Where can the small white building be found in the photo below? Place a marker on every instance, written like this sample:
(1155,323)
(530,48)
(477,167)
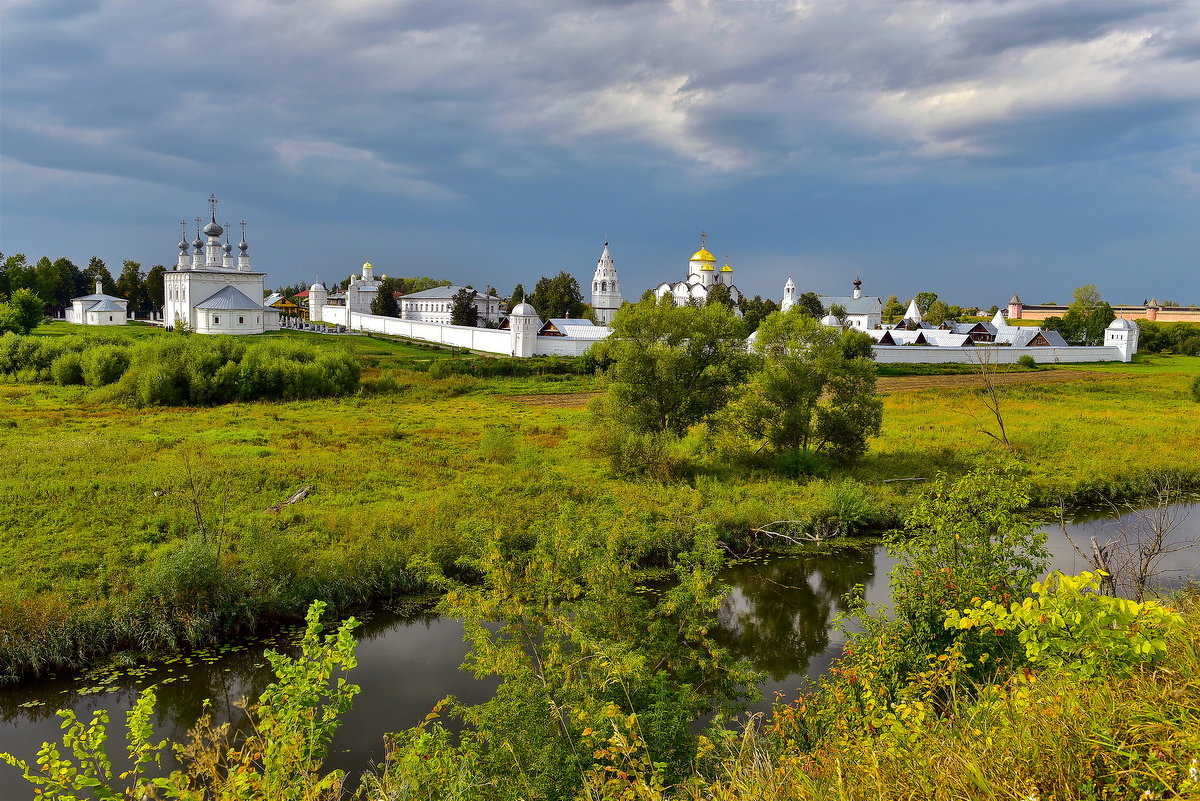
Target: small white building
(209,293)
(437,304)
(863,312)
(98,309)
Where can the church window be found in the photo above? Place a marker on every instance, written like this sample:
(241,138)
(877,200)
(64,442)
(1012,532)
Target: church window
(241,320)
(216,320)
(110,318)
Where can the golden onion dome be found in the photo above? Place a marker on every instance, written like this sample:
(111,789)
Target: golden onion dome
(726,268)
(366,265)
(703,255)
(707,267)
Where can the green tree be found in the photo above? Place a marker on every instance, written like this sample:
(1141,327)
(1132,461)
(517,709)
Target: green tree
(23,312)
(557,297)
(937,313)
(98,271)
(810,303)
(672,366)
(719,294)
(893,309)
(814,391)
(462,308)
(838,311)
(517,296)
(131,284)
(1084,299)
(384,302)
(925,300)
(966,538)
(155,287)
(755,310)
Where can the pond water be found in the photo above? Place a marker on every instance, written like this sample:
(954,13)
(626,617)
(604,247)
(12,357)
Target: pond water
(781,615)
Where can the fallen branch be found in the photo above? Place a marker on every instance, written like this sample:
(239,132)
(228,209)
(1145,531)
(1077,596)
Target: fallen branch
(298,496)
(890,480)
(795,541)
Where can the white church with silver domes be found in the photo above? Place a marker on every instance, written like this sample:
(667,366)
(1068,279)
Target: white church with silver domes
(210,291)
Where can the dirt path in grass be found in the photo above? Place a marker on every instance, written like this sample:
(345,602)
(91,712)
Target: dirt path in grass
(577,400)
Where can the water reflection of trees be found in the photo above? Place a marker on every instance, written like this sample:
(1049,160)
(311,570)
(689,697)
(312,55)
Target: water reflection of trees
(779,614)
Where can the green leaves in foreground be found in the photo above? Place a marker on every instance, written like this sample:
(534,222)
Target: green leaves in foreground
(281,759)
(1067,624)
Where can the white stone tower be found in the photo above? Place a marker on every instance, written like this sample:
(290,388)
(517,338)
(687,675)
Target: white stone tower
(789,295)
(1123,335)
(606,289)
(523,322)
(318,296)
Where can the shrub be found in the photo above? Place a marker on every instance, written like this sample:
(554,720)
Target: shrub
(1028,362)
(67,369)
(104,365)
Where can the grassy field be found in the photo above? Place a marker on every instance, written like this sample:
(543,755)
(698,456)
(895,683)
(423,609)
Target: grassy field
(415,471)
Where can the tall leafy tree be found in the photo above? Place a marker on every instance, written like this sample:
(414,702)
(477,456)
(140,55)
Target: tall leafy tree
(810,303)
(937,313)
(97,270)
(22,313)
(719,294)
(156,295)
(755,310)
(925,300)
(557,297)
(815,390)
(131,284)
(517,296)
(385,299)
(672,366)
(893,309)
(462,307)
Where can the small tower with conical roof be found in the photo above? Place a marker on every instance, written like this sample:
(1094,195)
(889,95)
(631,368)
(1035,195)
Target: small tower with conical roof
(184,261)
(606,289)
(1123,335)
(1015,307)
(789,295)
(857,288)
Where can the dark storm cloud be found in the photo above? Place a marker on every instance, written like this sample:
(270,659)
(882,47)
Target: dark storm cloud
(507,113)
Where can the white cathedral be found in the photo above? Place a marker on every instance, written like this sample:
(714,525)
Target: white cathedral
(702,276)
(209,293)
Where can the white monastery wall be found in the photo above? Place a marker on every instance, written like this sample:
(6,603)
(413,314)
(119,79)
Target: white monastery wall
(486,340)
(923,354)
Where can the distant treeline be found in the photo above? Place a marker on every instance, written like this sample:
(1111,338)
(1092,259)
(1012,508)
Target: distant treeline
(56,282)
(1180,338)
(181,371)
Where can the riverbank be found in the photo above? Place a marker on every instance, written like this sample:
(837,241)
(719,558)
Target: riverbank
(98,519)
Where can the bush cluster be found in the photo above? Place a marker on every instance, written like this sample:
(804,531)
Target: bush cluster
(1179,338)
(481,367)
(176,370)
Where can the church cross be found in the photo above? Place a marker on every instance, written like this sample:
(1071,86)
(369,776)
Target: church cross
(212,204)
(703,240)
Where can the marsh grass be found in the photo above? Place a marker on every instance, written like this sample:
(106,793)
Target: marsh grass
(413,471)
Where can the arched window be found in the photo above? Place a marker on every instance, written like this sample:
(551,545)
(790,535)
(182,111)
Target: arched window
(241,320)
(603,286)
(110,318)
(216,320)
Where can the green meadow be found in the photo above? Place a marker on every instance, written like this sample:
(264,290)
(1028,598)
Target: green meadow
(98,502)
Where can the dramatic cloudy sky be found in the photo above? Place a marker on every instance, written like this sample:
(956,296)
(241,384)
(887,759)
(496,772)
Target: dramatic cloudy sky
(971,148)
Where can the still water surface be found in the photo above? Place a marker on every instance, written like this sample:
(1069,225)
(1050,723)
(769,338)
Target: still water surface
(781,615)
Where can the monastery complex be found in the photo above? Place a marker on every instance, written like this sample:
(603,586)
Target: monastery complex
(212,291)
